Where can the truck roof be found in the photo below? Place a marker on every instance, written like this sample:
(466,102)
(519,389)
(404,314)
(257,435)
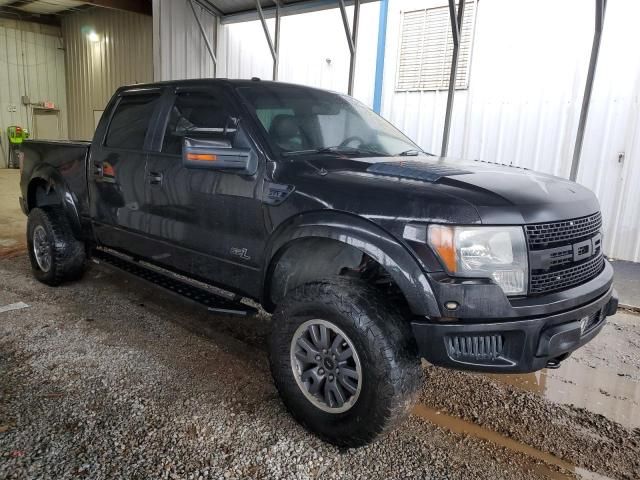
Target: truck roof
(218,81)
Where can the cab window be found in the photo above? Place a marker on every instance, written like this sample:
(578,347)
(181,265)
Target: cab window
(130,122)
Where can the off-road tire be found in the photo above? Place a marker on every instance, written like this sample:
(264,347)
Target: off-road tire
(391,371)
(68,254)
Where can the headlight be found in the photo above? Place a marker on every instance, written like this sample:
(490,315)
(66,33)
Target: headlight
(499,253)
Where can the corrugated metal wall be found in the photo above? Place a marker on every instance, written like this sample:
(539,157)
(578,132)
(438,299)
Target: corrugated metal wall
(122,55)
(529,64)
(179,49)
(39,74)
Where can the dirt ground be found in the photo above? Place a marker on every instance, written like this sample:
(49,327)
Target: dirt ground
(110,377)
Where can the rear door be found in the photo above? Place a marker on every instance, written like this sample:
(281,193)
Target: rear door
(117,169)
(203,221)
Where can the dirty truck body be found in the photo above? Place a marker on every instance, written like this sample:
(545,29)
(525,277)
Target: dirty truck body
(370,252)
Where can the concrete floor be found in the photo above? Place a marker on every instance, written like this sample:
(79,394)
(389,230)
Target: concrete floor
(627,283)
(110,377)
(12,220)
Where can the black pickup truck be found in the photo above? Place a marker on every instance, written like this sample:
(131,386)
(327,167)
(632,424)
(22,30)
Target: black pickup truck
(369,252)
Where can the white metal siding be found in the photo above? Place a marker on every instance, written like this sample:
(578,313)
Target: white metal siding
(524,98)
(123,55)
(313,50)
(527,77)
(44,69)
(179,49)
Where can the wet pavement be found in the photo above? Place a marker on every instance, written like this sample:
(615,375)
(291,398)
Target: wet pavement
(603,376)
(627,283)
(110,377)
(457,425)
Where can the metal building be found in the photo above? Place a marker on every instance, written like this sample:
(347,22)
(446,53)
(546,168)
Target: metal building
(522,87)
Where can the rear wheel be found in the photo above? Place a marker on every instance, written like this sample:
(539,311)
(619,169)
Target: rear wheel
(344,362)
(55,254)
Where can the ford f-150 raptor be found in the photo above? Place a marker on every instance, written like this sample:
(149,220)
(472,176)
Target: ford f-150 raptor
(369,252)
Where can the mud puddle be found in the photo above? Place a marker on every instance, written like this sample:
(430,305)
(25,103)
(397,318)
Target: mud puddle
(598,390)
(460,426)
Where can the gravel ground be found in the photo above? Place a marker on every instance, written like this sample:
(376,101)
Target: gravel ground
(113,378)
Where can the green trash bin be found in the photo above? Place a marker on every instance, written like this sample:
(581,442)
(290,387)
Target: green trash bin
(16,135)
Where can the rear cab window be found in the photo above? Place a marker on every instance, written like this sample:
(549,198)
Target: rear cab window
(131,121)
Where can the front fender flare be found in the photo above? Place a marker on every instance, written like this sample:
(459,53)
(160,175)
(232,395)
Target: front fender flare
(367,237)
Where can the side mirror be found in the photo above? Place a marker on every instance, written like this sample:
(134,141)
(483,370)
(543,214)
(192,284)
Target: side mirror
(218,155)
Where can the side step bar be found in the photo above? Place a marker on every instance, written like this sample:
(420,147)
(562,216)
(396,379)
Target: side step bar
(213,302)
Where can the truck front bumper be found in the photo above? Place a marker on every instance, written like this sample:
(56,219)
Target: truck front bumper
(513,345)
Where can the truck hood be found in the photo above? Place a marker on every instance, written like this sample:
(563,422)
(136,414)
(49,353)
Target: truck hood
(501,194)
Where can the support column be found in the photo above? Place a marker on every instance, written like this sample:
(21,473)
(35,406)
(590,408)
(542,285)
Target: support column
(456,29)
(204,37)
(601,6)
(352,38)
(274,46)
(276,60)
(380,54)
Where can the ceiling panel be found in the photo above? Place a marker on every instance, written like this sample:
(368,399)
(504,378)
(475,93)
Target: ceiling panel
(50,6)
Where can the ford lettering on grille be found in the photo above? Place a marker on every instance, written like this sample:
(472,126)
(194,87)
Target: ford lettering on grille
(564,254)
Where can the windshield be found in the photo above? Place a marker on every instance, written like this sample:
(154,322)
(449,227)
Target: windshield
(299,120)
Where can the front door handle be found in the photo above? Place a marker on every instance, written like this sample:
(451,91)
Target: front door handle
(155,178)
(98,170)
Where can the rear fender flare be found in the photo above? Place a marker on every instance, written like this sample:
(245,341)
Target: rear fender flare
(64,196)
(365,236)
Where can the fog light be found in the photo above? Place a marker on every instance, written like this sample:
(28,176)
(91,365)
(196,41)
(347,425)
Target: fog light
(451,305)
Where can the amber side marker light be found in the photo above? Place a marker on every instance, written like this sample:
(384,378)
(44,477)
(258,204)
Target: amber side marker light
(441,239)
(202,157)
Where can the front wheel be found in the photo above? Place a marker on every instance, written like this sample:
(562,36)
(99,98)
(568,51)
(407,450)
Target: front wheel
(56,255)
(344,362)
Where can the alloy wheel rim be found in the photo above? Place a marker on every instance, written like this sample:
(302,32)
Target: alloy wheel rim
(42,248)
(326,366)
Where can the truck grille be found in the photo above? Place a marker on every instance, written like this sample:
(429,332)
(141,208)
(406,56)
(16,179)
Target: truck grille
(543,235)
(566,278)
(564,254)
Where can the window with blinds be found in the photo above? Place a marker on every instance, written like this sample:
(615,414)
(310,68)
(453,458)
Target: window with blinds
(426,49)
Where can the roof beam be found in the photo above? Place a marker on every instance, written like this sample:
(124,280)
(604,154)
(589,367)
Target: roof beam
(285,10)
(136,6)
(12,12)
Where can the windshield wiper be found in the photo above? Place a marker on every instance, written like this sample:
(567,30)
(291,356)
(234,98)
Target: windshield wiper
(337,149)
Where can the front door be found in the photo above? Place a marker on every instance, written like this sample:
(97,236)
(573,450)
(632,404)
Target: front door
(117,172)
(205,222)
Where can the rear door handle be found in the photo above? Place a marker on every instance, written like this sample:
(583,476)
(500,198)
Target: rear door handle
(155,178)
(98,171)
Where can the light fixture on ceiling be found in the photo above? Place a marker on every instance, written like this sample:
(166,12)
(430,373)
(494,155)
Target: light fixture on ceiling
(92,36)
